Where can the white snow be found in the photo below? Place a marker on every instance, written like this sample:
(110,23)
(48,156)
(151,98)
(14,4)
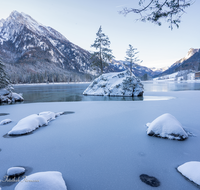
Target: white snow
(5,121)
(191,170)
(42,181)
(15,171)
(28,124)
(49,115)
(115,84)
(178,76)
(166,126)
(103,145)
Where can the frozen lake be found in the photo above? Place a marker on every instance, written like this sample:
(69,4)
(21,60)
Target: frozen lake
(73,92)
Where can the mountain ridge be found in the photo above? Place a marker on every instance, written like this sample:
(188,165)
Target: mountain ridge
(29,48)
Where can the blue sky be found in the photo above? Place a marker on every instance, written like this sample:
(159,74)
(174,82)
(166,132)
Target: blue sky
(79,21)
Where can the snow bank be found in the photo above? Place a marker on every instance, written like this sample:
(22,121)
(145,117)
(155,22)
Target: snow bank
(115,84)
(166,126)
(42,180)
(5,121)
(15,171)
(191,170)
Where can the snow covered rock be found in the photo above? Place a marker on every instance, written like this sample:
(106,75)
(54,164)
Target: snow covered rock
(32,122)
(115,84)
(166,126)
(9,97)
(42,180)
(5,121)
(15,171)
(28,124)
(49,115)
(191,170)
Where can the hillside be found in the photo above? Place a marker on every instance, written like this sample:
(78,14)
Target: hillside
(190,62)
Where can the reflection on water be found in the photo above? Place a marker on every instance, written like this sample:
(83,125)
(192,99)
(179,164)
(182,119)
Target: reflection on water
(164,86)
(73,92)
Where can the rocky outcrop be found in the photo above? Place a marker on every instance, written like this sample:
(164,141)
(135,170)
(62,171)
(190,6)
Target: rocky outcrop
(115,84)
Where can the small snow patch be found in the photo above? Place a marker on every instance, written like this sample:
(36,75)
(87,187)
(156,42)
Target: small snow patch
(5,121)
(42,180)
(191,170)
(166,126)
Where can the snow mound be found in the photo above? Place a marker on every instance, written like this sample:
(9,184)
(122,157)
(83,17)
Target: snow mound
(32,122)
(42,180)
(28,124)
(115,84)
(191,170)
(166,126)
(15,171)
(5,121)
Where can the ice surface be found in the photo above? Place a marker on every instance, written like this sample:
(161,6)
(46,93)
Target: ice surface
(166,126)
(42,181)
(5,121)
(104,144)
(15,171)
(115,84)
(191,170)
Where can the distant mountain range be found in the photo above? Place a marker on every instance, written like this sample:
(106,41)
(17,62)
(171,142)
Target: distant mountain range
(190,62)
(33,53)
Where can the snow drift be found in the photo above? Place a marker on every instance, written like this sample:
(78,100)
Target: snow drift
(166,126)
(115,84)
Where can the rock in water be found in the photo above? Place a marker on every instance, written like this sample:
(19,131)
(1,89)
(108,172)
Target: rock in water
(115,84)
(191,170)
(166,126)
(149,180)
(15,171)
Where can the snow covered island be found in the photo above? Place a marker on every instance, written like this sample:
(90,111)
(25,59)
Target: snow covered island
(115,84)
(10,97)
(166,126)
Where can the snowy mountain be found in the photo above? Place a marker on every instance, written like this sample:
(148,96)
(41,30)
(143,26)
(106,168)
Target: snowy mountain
(32,47)
(33,52)
(190,62)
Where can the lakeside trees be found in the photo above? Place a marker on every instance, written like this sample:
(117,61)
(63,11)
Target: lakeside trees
(4,81)
(155,10)
(131,58)
(103,55)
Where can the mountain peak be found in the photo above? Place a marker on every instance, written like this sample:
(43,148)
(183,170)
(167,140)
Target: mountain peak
(191,52)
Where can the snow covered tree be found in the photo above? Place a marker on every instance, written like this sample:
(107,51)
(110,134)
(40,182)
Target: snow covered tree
(4,81)
(131,58)
(155,10)
(103,55)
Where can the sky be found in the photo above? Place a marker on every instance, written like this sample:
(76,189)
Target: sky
(79,21)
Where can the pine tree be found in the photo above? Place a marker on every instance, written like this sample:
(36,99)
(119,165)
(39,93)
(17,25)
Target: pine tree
(131,58)
(4,81)
(103,55)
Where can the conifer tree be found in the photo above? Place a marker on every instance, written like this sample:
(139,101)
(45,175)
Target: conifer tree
(131,58)
(4,81)
(103,55)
